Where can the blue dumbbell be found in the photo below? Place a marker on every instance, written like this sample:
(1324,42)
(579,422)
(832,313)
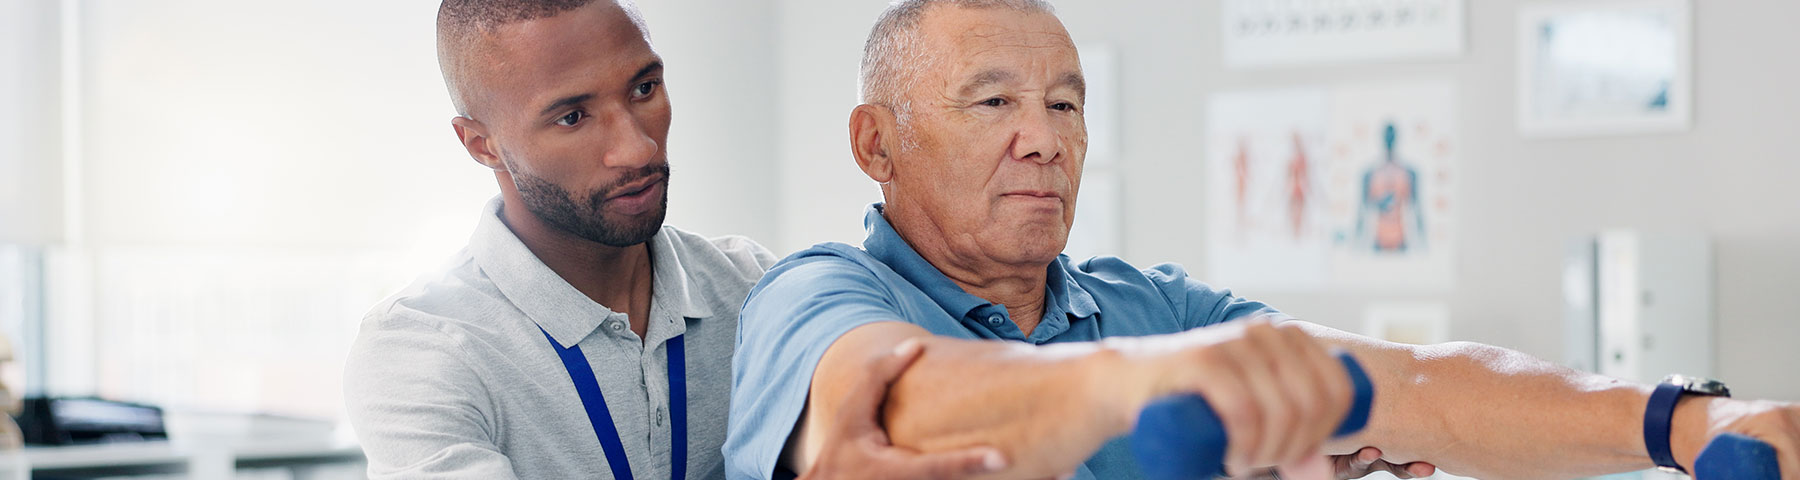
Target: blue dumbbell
(1736,457)
(1179,437)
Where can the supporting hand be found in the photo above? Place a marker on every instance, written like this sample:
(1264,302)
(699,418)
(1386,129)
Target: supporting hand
(859,448)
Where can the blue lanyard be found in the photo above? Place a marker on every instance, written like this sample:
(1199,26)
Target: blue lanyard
(595,404)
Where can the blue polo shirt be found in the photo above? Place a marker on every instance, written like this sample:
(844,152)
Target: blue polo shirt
(816,295)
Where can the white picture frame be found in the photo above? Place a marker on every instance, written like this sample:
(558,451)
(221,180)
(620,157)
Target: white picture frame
(1605,67)
(1295,33)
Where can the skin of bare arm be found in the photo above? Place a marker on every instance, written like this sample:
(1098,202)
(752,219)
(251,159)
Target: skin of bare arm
(1072,368)
(1470,409)
(1049,408)
(1490,412)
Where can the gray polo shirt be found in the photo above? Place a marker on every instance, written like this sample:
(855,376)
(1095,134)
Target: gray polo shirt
(452,378)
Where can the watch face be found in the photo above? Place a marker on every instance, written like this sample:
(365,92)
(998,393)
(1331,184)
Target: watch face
(1699,386)
(1709,387)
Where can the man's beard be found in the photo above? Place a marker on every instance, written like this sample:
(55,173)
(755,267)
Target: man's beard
(586,217)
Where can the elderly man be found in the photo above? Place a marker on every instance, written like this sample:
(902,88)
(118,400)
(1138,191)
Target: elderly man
(972,124)
(576,336)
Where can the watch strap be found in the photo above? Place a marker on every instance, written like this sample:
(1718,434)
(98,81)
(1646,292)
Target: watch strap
(1658,416)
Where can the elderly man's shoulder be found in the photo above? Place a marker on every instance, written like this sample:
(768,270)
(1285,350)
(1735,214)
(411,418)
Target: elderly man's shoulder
(828,256)
(833,264)
(1112,274)
(1113,269)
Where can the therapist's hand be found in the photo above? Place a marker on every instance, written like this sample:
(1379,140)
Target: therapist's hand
(1368,460)
(859,447)
(1356,465)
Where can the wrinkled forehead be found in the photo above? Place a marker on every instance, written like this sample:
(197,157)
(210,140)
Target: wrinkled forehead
(966,37)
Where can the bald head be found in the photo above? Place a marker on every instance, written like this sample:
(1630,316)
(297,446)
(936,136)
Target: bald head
(466,32)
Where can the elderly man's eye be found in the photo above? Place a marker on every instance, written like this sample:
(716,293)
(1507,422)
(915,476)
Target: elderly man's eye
(1063,107)
(994,102)
(571,119)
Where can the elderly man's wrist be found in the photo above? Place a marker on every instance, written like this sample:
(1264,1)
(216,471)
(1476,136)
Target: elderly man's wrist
(1119,382)
(1689,428)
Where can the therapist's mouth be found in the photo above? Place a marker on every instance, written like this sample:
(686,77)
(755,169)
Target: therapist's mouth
(638,187)
(638,197)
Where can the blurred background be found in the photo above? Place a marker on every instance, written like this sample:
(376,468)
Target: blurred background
(199,199)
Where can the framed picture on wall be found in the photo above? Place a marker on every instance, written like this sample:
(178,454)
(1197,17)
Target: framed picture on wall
(1605,67)
(1288,33)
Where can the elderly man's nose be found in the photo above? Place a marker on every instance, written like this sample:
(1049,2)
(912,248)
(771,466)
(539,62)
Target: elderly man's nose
(1036,138)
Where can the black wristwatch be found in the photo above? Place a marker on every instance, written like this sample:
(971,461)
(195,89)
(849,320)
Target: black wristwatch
(1661,411)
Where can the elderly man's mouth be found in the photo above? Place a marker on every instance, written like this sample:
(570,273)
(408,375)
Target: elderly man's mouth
(1033,194)
(1040,199)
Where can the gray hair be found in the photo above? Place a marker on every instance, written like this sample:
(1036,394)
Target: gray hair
(893,57)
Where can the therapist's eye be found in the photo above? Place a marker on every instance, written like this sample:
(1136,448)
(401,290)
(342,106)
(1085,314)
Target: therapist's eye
(572,118)
(994,102)
(646,89)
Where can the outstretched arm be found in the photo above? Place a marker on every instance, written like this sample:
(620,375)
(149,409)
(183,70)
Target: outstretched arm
(1049,408)
(859,449)
(1489,412)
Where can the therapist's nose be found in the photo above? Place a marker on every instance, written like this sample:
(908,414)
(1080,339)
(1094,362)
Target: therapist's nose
(628,142)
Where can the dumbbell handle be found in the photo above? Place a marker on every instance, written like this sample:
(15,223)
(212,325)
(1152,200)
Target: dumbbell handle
(1179,437)
(1733,456)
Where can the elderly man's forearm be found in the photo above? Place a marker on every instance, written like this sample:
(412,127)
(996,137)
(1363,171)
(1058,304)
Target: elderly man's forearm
(1046,408)
(1490,412)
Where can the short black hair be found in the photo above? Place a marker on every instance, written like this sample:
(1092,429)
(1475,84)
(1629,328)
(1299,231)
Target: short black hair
(461,24)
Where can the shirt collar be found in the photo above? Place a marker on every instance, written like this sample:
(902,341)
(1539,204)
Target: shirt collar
(885,244)
(557,307)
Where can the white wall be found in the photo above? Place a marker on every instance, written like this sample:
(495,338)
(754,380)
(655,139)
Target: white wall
(254,176)
(326,124)
(822,193)
(720,68)
(1731,176)
(300,125)
(30,123)
(248,139)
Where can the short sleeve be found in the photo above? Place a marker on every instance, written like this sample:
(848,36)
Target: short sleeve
(418,410)
(1200,305)
(791,317)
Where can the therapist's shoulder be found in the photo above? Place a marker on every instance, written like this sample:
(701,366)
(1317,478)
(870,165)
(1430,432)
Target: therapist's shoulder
(416,341)
(456,296)
(734,255)
(443,315)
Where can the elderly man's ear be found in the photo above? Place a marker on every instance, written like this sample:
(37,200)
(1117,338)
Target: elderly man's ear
(872,131)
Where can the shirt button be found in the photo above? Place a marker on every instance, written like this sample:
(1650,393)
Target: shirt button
(994,320)
(659,418)
(615,326)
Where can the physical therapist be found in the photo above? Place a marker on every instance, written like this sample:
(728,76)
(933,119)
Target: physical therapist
(576,336)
